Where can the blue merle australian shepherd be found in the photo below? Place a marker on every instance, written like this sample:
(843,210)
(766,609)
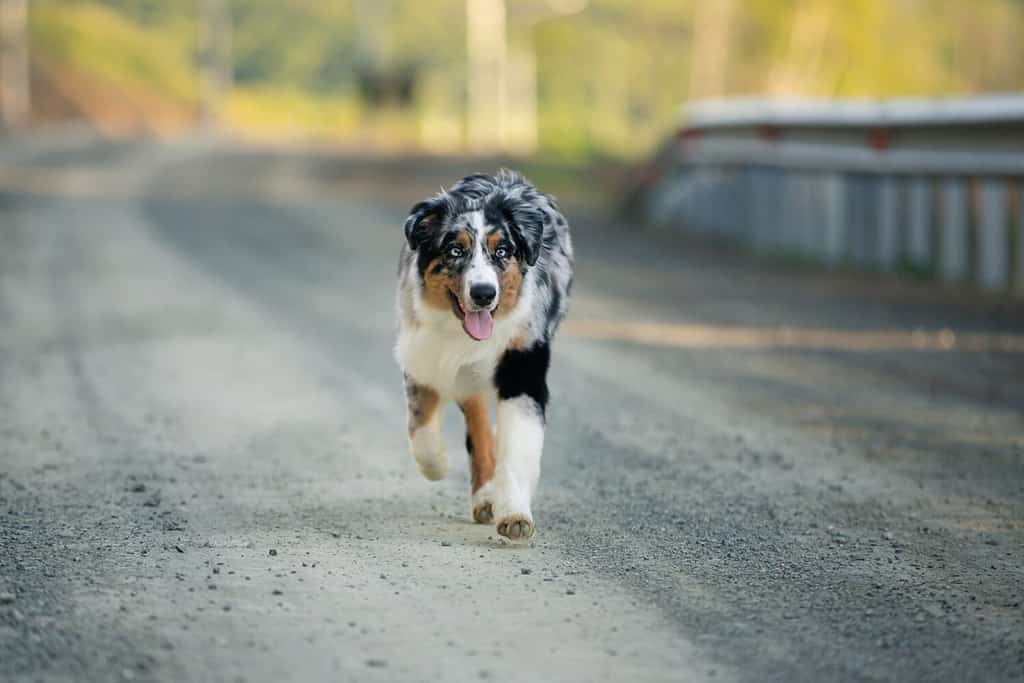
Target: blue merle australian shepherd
(484,280)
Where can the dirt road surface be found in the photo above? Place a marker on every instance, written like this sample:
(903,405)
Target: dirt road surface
(752,472)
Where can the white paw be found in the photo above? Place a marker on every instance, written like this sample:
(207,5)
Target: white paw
(428,451)
(512,508)
(483,504)
(516,527)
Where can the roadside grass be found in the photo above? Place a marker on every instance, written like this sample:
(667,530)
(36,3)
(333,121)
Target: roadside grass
(106,46)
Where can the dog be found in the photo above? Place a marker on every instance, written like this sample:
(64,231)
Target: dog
(484,280)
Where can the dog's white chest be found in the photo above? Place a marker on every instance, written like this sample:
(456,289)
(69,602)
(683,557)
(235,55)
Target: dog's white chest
(449,361)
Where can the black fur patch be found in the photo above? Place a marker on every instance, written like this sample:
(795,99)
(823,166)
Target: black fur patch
(524,220)
(424,220)
(524,372)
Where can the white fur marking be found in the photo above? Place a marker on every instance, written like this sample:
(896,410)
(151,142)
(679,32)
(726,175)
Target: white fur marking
(427,448)
(484,494)
(481,271)
(520,440)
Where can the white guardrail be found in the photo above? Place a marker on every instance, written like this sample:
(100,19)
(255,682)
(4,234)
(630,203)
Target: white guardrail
(934,187)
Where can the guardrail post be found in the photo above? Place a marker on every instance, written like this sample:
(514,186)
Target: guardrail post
(1018,217)
(858,223)
(993,237)
(888,230)
(953,251)
(919,243)
(835,218)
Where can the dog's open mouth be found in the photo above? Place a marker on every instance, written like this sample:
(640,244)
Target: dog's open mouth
(478,324)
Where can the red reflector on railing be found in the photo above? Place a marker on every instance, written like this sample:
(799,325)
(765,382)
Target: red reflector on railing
(878,138)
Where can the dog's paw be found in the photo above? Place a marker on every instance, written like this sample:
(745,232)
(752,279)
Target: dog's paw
(483,513)
(429,454)
(483,504)
(433,467)
(516,527)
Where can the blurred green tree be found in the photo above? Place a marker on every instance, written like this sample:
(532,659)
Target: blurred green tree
(608,79)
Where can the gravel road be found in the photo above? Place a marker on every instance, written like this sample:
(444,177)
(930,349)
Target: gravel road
(204,476)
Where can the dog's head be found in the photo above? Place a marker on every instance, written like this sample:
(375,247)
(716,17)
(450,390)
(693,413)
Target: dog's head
(473,244)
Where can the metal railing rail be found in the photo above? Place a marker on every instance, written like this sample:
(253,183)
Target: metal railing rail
(930,186)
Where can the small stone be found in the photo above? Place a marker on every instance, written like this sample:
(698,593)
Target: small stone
(525,571)
(273,552)
(179,549)
(446,544)
(7,598)
(276,591)
(376,663)
(570,592)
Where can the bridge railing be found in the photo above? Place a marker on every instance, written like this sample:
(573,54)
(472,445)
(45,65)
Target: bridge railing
(930,187)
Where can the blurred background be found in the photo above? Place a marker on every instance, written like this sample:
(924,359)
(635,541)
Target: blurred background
(786,433)
(571,79)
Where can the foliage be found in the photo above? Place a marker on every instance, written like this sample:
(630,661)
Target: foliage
(610,78)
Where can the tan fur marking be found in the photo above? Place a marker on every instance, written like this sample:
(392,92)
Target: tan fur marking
(518,342)
(511,281)
(478,428)
(436,286)
(493,240)
(422,402)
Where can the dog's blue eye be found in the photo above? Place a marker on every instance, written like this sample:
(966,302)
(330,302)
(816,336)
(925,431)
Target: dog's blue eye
(455,251)
(501,252)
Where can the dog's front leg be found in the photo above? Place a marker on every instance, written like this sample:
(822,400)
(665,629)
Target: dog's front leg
(520,442)
(521,381)
(425,442)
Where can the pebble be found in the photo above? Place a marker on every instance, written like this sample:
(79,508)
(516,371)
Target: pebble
(446,544)
(273,552)
(376,663)
(7,598)
(524,570)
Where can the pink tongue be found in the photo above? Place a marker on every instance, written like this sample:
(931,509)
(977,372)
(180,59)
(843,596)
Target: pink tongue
(479,324)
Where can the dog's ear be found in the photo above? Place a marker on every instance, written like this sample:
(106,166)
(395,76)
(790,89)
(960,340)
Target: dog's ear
(526,223)
(424,220)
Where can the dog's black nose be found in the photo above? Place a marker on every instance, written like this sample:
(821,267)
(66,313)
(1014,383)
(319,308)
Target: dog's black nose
(483,294)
